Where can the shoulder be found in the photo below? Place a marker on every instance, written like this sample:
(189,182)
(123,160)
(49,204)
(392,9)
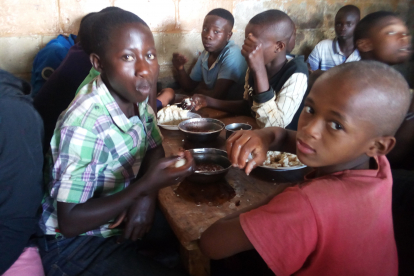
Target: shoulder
(295,65)
(232,50)
(324,44)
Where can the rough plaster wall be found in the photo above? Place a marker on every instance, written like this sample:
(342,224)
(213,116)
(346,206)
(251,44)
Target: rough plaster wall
(27,25)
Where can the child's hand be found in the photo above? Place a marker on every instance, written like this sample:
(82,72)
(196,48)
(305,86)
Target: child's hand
(244,143)
(178,61)
(253,53)
(164,174)
(198,101)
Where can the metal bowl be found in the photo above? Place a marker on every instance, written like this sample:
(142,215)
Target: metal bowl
(209,155)
(231,128)
(201,129)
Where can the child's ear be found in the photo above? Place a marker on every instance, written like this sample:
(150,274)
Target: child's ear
(279,46)
(96,62)
(381,146)
(229,36)
(364,45)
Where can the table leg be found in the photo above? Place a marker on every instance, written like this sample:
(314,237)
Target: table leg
(195,262)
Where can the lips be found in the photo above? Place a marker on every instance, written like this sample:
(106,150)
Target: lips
(143,88)
(304,148)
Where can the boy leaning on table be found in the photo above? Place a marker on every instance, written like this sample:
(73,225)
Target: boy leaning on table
(338,221)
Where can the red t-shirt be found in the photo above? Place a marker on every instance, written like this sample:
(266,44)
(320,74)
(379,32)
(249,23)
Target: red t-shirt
(340,224)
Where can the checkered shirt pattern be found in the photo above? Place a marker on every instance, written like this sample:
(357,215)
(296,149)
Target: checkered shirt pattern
(96,151)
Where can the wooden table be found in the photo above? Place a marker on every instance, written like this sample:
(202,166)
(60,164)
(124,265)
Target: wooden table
(188,220)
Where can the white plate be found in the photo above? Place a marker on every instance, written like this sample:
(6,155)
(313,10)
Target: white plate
(190,115)
(283,168)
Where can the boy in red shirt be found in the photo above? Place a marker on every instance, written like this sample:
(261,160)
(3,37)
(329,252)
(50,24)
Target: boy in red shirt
(338,221)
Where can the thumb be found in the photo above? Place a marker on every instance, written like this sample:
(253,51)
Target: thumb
(169,161)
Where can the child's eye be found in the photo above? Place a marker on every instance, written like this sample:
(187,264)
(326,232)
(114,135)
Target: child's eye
(216,32)
(308,109)
(335,126)
(204,29)
(151,56)
(128,58)
(391,33)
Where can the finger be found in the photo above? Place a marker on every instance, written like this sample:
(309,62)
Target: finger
(138,232)
(230,147)
(237,148)
(118,220)
(250,166)
(169,161)
(128,230)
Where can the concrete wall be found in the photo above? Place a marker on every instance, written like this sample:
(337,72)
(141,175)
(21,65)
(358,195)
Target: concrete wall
(27,25)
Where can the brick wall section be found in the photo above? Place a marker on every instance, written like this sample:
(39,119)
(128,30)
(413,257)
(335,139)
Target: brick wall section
(27,25)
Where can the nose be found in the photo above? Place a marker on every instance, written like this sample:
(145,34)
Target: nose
(142,68)
(313,128)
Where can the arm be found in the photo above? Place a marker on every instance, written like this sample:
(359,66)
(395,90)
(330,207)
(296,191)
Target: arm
(257,142)
(279,110)
(236,107)
(314,59)
(228,231)
(404,148)
(76,216)
(187,83)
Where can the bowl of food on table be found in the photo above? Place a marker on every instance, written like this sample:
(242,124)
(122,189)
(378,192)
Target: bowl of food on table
(201,129)
(231,128)
(170,116)
(211,165)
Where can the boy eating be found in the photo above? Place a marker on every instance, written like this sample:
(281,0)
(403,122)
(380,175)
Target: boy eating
(338,221)
(274,85)
(220,68)
(107,159)
(329,53)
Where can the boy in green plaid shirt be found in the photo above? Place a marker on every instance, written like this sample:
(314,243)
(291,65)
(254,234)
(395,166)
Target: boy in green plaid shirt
(107,160)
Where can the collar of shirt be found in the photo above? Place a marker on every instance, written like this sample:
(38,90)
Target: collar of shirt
(206,54)
(119,118)
(337,50)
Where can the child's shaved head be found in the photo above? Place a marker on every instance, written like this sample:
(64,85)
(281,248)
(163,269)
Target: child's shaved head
(223,14)
(278,21)
(349,9)
(364,27)
(383,89)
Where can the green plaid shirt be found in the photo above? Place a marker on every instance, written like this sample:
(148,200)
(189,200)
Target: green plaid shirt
(96,151)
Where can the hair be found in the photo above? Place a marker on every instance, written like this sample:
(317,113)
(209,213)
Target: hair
(350,9)
(270,17)
(363,28)
(105,23)
(223,14)
(85,29)
(385,88)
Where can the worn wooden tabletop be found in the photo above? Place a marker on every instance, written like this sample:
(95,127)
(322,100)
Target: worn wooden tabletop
(189,220)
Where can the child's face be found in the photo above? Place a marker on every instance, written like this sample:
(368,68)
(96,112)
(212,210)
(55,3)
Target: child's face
(331,132)
(215,34)
(130,66)
(345,24)
(391,41)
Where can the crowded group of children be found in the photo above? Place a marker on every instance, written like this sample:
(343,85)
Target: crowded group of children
(104,161)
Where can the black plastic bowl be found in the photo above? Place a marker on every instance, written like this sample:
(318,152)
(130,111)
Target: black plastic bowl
(201,129)
(231,128)
(209,155)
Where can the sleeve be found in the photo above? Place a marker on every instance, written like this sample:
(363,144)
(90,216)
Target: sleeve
(196,73)
(233,66)
(21,181)
(79,157)
(314,58)
(154,136)
(272,110)
(284,232)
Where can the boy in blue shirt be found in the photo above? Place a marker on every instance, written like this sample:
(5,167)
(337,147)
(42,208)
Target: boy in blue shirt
(220,69)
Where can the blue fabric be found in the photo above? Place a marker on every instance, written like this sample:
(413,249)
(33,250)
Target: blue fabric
(229,65)
(49,57)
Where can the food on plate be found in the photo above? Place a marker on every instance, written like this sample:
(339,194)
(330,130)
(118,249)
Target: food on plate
(171,115)
(277,159)
(208,167)
(180,163)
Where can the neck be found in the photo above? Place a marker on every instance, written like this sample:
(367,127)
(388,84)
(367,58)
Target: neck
(347,43)
(275,65)
(360,163)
